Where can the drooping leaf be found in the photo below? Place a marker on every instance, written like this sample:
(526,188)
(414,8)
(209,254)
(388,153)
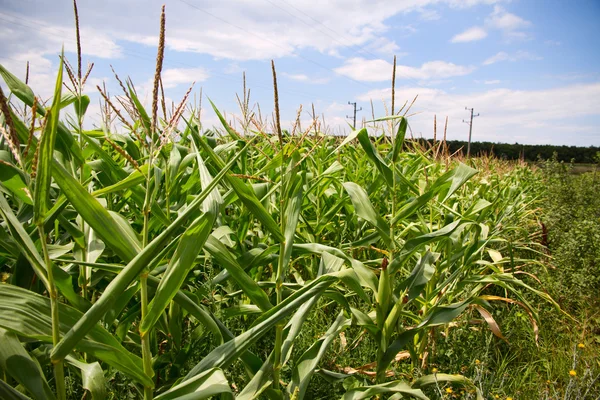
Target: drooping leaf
(92,377)
(308,361)
(16,362)
(28,315)
(202,386)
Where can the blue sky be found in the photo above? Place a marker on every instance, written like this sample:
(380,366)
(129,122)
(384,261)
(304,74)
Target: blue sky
(530,68)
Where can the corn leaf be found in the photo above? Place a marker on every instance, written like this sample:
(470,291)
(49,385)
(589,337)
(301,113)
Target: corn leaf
(189,246)
(16,362)
(46,153)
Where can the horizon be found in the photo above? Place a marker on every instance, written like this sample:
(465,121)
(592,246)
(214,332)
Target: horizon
(528,68)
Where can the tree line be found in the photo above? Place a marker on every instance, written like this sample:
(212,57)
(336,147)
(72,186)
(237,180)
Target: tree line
(528,152)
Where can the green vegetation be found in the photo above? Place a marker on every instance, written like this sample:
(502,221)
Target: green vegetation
(164,261)
(527,152)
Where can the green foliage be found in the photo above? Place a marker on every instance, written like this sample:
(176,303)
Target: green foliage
(572,228)
(183,275)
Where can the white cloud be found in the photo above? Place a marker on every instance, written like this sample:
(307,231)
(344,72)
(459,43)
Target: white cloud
(501,19)
(39,42)
(511,25)
(386,47)
(296,77)
(173,77)
(470,35)
(500,56)
(492,82)
(237,30)
(233,68)
(534,116)
(519,55)
(573,76)
(380,70)
(427,14)
(305,78)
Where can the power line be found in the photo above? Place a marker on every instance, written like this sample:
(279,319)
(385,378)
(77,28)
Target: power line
(272,42)
(362,48)
(470,122)
(355,110)
(64,35)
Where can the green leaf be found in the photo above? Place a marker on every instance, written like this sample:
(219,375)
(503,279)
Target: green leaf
(9,393)
(16,362)
(412,245)
(365,210)
(95,214)
(224,257)
(290,219)
(402,341)
(441,315)
(46,153)
(140,109)
(234,135)
(437,378)
(401,387)
(23,241)
(451,180)
(28,315)
(131,271)
(259,382)
(92,377)
(81,105)
(308,361)
(181,263)
(420,275)
(18,88)
(134,179)
(399,139)
(373,155)
(225,354)
(246,196)
(203,386)
(13,179)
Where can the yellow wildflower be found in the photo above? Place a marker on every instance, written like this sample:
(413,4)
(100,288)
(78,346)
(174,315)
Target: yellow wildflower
(581,345)
(477,362)
(448,390)
(573,372)
(435,370)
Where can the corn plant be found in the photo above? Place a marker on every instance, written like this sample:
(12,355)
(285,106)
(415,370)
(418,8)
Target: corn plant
(109,237)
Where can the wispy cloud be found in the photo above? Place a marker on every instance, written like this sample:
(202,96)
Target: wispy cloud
(509,24)
(546,115)
(470,35)
(501,19)
(379,70)
(519,55)
(305,78)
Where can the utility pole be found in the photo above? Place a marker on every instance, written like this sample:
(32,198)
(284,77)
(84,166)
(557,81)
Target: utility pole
(355,110)
(470,122)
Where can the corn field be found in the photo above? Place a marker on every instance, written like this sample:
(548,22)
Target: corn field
(123,250)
